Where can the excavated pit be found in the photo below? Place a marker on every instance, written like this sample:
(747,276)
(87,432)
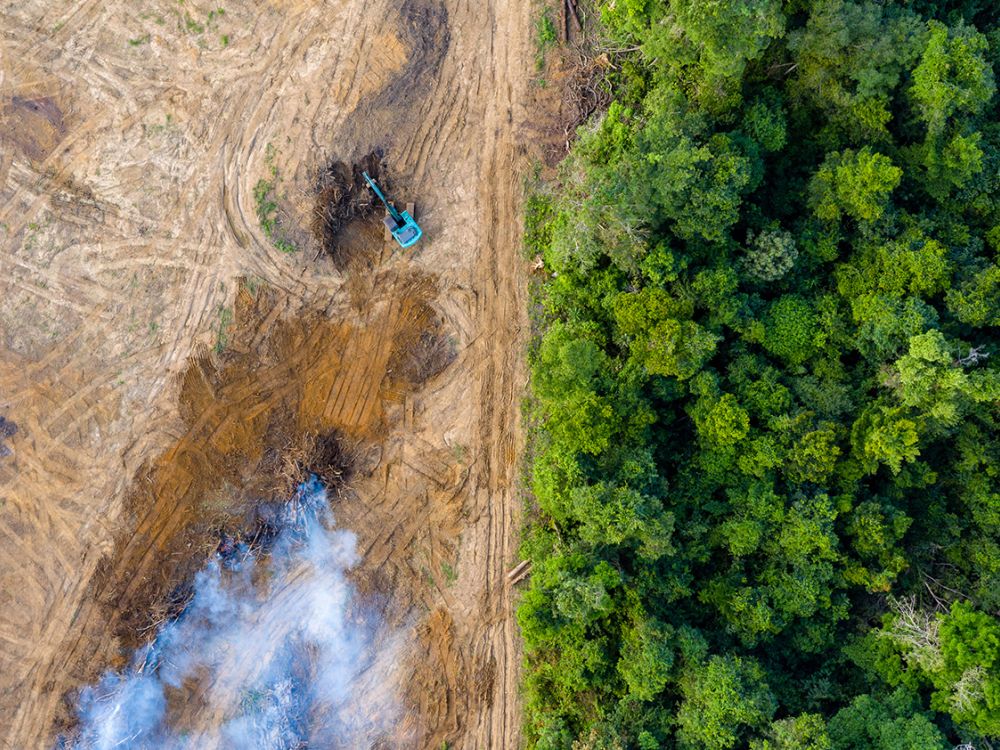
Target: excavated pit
(343,220)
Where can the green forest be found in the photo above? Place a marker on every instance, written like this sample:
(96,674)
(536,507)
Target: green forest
(765,421)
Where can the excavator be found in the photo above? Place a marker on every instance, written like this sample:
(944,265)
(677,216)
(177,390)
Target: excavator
(399,223)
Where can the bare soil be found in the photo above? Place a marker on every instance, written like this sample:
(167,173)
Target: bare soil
(168,367)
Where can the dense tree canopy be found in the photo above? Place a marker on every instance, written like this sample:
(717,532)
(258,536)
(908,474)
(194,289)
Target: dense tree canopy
(766,466)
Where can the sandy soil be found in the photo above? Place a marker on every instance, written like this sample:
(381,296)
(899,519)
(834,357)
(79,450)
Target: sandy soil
(157,350)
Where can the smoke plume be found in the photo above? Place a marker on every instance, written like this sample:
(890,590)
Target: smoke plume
(270,654)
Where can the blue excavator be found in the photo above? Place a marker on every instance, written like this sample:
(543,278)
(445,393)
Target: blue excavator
(400,223)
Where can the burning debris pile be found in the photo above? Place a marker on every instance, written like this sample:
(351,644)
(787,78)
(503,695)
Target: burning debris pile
(274,716)
(265,653)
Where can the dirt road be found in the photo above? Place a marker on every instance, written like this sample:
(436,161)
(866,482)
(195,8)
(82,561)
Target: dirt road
(132,138)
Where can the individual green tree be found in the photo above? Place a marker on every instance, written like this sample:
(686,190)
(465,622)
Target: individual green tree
(882,658)
(887,322)
(785,566)
(803,732)
(909,263)
(715,289)
(662,265)
(556,572)
(884,436)
(771,255)
(723,698)
(721,421)
(757,512)
(929,381)
(647,658)
(959,653)
(892,722)
(760,456)
(566,379)
(854,183)
(976,301)
(801,558)
(697,179)
(714,200)
(790,329)
(875,530)
(826,396)
(702,188)
(979,196)
(567,364)
(969,682)
(552,732)
(849,60)
(886,282)
(993,237)
(556,472)
(711,40)
(947,164)
(933,379)
(574,296)
(953,75)
(976,474)
(983,385)
(563,622)
(980,496)
(660,335)
(813,456)
(915,633)
(621,516)
(728,33)
(762,388)
(582,599)
(601,209)
(603,735)
(767,123)
(980,554)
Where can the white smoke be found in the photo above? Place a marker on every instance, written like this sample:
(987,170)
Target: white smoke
(268,655)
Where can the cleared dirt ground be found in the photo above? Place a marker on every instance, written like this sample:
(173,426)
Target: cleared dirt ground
(161,358)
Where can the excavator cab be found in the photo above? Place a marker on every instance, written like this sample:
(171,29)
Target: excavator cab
(399,223)
(406,233)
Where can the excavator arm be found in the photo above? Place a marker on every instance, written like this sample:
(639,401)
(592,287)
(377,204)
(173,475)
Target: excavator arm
(401,225)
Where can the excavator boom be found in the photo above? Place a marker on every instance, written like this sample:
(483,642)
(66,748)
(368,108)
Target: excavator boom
(389,207)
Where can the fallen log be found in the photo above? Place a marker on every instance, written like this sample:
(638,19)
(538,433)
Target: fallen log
(519,571)
(571,8)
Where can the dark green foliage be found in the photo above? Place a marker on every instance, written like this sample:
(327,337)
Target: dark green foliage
(706,44)
(767,124)
(768,469)
(892,722)
(851,59)
(977,301)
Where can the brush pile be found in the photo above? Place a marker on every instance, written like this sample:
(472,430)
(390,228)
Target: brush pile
(343,196)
